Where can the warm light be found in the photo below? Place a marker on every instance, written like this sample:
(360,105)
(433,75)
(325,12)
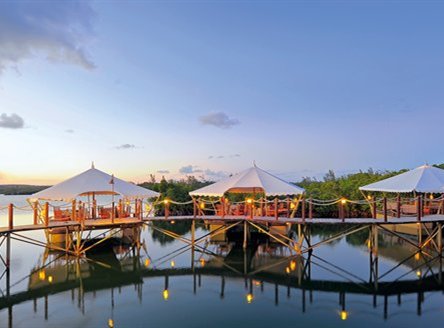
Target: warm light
(172,221)
(202,262)
(166,201)
(431,196)
(292,205)
(166,294)
(147,263)
(110,323)
(250,298)
(288,223)
(418,273)
(287,270)
(249,200)
(343,201)
(42,275)
(369,243)
(202,206)
(148,207)
(257,283)
(173,264)
(369,197)
(417,256)
(293,265)
(344,315)
(50,279)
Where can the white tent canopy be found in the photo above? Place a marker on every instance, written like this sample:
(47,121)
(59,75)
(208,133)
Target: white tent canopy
(425,179)
(251,180)
(92,182)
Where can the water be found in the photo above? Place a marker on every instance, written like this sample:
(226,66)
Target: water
(163,287)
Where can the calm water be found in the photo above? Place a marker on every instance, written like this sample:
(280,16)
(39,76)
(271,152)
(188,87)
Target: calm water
(169,285)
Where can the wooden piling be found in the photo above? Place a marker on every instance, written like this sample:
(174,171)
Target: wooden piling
(418,207)
(398,206)
(384,206)
(310,208)
(276,213)
(11,216)
(303,208)
(167,209)
(35,212)
(74,210)
(244,245)
(374,209)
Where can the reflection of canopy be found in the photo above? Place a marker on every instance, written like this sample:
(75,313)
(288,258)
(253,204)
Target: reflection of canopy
(90,182)
(251,180)
(425,178)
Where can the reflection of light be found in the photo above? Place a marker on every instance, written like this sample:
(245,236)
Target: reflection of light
(173,264)
(417,256)
(287,269)
(418,273)
(250,298)
(42,275)
(202,262)
(50,279)
(293,265)
(172,221)
(110,323)
(257,283)
(147,263)
(369,243)
(166,294)
(344,315)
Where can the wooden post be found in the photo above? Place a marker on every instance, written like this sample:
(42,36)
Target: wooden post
(11,216)
(35,212)
(73,210)
(194,208)
(303,208)
(341,211)
(120,211)
(398,206)
(46,214)
(222,204)
(252,209)
(384,206)
(439,237)
(288,207)
(374,209)
(418,207)
(262,206)
(310,208)
(276,204)
(167,209)
(244,245)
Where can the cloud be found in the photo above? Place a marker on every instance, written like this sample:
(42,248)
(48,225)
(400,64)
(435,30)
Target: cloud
(57,30)
(218,119)
(223,156)
(215,174)
(69,131)
(126,146)
(12,121)
(189,169)
(163,171)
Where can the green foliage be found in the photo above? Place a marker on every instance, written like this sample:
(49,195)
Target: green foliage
(20,189)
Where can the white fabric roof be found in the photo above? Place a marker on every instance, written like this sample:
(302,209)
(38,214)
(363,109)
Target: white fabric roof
(89,182)
(251,180)
(425,178)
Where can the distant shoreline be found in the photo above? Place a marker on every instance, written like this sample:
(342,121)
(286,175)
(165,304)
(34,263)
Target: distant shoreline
(20,189)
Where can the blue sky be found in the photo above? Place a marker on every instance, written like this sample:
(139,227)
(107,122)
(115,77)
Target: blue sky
(205,87)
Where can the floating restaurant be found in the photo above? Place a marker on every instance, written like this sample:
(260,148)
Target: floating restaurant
(93,209)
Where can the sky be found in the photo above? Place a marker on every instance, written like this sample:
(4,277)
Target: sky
(206,88)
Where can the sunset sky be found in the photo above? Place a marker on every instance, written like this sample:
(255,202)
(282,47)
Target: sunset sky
(207,87)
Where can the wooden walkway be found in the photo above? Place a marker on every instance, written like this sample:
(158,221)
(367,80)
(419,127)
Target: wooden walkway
(98,224)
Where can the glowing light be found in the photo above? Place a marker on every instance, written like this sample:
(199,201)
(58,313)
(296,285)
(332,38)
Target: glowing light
(110,323)
(292,205)
(166,201)
(249,298)
(418,273)
(344,315)
(166,294)
(202,206)
(249,200)
(431,197)
(369,197)
(50,279)
(42,275)
(417,256)
(147,263)
(288,223)
(343,201)
(287,270)
(148,207)
(202,262)
(369,243)
(257,283)
(172,221)
(293,265)
(173,264)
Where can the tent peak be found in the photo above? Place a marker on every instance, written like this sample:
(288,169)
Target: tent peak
(92,165)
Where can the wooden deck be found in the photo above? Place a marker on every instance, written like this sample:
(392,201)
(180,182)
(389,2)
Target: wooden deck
(98,224)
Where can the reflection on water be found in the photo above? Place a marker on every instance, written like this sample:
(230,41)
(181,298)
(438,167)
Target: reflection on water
(166,282)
